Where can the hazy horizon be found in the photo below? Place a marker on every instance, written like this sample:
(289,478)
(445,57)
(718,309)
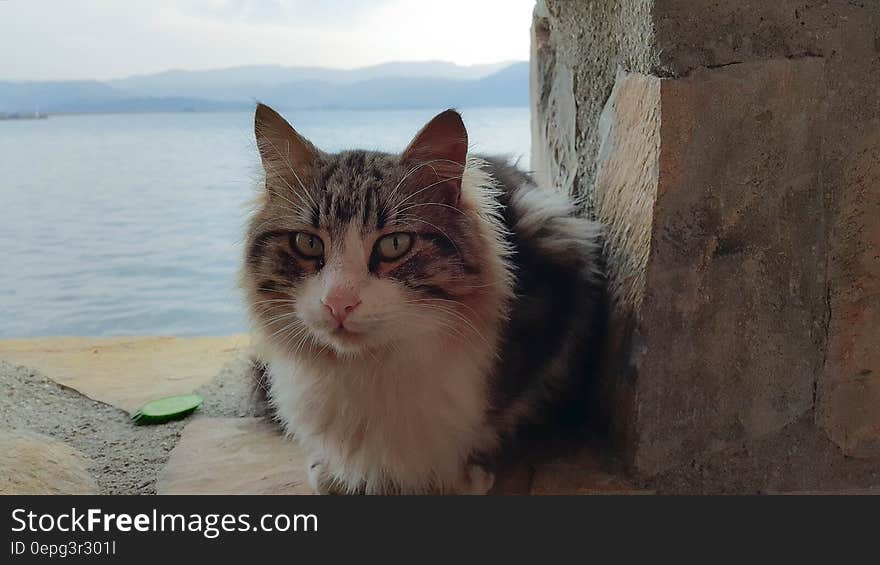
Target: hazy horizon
(500,64)
(104,41)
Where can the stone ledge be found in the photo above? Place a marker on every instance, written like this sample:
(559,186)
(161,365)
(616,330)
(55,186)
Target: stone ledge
(223,449)
(126,372)
(250,456)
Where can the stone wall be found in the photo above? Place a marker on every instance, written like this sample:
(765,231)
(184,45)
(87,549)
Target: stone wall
(733,152)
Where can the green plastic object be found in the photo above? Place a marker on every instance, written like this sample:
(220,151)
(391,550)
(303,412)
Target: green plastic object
(167,409)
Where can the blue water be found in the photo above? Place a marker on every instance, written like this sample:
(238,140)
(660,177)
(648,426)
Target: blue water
(132,224)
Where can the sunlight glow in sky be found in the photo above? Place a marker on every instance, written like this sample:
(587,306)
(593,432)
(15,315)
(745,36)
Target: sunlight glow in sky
(103,39)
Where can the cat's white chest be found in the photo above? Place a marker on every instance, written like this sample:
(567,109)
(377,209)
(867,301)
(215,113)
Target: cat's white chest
(415,415)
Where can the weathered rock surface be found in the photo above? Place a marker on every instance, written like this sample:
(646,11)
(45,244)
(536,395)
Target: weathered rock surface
(31,463)
(577,48)
(706,269)
(126,371)
(234,456)
(849,389)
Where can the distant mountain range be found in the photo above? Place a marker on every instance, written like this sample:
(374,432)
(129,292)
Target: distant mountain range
(390,85)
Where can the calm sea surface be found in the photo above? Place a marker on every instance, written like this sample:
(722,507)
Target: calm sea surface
(132,223)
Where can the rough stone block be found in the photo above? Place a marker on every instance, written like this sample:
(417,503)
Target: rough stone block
(719,303)
(849,390)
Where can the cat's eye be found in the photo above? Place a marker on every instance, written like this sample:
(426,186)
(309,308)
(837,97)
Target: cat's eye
(308,245)
(393,246)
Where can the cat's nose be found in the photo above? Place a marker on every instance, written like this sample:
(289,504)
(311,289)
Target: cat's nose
(341,303)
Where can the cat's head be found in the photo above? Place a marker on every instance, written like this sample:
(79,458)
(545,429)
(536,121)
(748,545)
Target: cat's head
(363,250)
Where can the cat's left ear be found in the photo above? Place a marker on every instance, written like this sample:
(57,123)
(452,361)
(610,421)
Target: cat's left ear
(281,147)
(440,150)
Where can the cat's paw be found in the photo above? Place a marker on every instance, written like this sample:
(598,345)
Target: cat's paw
(477,480)
(319,479)
(323,481)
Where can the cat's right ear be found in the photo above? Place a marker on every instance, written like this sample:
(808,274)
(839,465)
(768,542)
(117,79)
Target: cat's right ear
(281,147)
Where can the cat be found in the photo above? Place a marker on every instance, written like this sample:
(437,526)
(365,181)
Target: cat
(414,312)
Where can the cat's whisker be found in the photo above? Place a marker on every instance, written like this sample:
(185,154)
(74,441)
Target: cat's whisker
(272,174)
(276,219)
(300,337)
(266,309)
(265,329)
(267,326)
(266,306)
(430,304)
(275,319)
(260,382)
(456,280)
(274,322)
(419,191)
(285,157)
(456,302)
(461,318)
(416,168)
(274,301)
(303,211)
(407,175)
(284,329)
(295,339)
(411,206)
(298,180)
(451,331)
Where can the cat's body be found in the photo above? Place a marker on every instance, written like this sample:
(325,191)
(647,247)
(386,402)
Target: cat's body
(450,306)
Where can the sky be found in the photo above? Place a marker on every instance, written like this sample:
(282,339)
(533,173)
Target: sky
(104,39)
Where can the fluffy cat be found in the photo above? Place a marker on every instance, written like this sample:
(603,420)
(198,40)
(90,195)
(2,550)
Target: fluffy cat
(415,312)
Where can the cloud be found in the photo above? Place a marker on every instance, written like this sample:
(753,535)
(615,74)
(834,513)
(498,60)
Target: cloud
(95,39)
(274,12)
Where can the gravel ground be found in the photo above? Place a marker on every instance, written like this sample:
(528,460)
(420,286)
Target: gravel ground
(125,459)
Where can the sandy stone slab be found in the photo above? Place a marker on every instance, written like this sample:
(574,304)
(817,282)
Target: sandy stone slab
(126,371)
(31,463)
(234,456)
